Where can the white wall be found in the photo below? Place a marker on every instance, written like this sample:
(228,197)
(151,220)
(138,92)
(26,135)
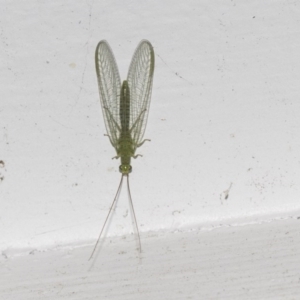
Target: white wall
(224,123)
(225,110)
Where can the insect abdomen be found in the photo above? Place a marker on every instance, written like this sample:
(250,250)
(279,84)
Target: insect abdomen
(125,107)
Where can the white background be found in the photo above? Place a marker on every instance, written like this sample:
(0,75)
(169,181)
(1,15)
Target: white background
(224,118)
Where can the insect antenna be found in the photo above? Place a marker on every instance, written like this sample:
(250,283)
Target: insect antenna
(131,204)
(111,207)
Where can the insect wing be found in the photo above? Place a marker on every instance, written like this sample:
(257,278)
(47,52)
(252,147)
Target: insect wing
(140,77)
(109,84)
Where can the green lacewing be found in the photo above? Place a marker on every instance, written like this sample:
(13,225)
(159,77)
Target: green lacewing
(125,108)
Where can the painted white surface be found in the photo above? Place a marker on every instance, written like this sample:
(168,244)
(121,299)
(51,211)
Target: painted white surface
(246,262)
(224,112)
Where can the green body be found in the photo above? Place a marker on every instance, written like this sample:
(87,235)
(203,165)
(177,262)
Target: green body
(125,107)
(125,148)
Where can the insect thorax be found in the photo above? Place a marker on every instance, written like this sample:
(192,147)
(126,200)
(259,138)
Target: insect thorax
(125,145)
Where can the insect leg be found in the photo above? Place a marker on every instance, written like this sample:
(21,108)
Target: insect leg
(112,118)
(142,142)
(137,119)
(139,145)
(110,139)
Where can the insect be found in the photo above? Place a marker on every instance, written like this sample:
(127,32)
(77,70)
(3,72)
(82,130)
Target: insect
(125,108)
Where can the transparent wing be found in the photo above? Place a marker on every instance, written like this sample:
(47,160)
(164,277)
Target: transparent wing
(109,84)
(140,77)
